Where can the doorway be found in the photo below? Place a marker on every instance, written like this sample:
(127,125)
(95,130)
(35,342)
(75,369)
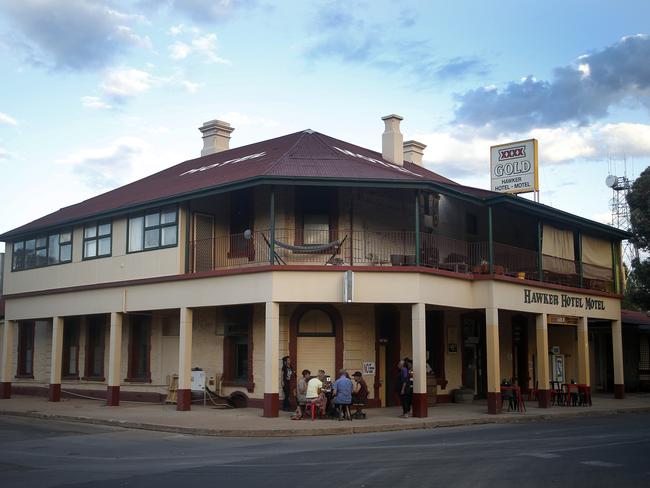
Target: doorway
(474,358)
(387,349)
(520,375)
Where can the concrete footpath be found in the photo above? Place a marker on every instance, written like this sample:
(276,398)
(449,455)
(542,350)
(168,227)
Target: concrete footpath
(248,422)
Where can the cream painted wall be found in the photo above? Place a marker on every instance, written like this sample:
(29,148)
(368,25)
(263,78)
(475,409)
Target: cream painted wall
(564,336)
(120,266)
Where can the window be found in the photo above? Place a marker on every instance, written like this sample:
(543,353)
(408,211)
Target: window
(25,350)
(241,219)
(97,240)
(139,348)
(237,322)
(316,216)
(316,323)
(153,230)
(44,250)
(95,336)
(70,357)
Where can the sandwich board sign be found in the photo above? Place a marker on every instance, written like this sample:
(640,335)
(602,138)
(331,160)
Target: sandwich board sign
(513,167)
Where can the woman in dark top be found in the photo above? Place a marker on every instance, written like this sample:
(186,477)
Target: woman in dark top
(287,373)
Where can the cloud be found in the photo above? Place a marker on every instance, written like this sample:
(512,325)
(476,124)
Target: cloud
(240,120)
(348,36)
(7,119)
(202,46)
(108,166)
(95,103)
(120,84)
(580,93)
(74,34)
(4,154)
(461,67)
(464,151)
(201,11)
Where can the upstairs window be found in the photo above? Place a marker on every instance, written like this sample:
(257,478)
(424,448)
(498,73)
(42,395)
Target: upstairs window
(43,250)
(316,216)
(97,240)
(153,230)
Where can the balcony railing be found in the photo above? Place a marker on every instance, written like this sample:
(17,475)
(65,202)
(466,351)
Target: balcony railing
(343,247)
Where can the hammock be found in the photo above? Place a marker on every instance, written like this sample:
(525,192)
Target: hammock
(310,247)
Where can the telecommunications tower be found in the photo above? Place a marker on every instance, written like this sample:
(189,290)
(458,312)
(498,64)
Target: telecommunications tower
(621,186)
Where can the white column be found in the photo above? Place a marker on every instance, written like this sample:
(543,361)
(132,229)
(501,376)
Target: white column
(418,335)
(7,358)
(272,359)
(542,367)
(419,338)
(493,360)
(184,397)
(115,359)
(55,363)
(617,352)
(583,351)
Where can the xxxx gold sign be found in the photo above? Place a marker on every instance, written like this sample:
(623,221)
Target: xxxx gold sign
(563,300)
(562,319)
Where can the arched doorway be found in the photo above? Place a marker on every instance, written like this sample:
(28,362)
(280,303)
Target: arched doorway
(316,339)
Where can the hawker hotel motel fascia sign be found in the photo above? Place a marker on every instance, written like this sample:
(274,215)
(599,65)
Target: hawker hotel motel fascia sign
(513,167)
(562,300)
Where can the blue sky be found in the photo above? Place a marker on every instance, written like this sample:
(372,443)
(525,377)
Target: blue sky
(97,93)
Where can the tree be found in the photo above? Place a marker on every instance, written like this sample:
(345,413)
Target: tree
(638,199)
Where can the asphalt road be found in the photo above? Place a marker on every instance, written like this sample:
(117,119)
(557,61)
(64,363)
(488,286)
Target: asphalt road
(587,452)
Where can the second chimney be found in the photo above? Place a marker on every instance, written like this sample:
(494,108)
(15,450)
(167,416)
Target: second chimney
(413,152)
(216,136)
(392,140)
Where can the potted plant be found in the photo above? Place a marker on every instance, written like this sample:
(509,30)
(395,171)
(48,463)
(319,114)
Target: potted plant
(463,394)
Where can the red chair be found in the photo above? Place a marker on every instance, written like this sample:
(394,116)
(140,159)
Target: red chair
(585,395)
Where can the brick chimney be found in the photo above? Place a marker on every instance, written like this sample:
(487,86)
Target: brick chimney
(413,152)
(392,140)
(216,136)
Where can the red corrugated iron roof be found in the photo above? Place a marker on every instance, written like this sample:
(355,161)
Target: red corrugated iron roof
(305,154)
(635,318)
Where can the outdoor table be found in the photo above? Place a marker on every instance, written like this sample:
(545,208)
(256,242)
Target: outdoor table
(519,401)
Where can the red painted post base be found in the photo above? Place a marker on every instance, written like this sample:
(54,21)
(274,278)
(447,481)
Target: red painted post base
(5,390)
(112,396)
(544,398)
(494,402)
(183,400)
(54,394)
(619,391)
(420,407)
(271,405)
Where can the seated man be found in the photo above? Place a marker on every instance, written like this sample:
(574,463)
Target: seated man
(359,394)
(314,392)
(342,390)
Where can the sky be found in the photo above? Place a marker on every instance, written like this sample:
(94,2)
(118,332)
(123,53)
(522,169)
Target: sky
(97,93)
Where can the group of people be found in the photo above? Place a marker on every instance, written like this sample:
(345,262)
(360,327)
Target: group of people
(324,393)
(328,397)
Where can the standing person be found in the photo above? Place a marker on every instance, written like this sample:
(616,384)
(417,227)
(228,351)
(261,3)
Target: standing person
(402,386)
(301,394)
(342,391)
(287,374)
